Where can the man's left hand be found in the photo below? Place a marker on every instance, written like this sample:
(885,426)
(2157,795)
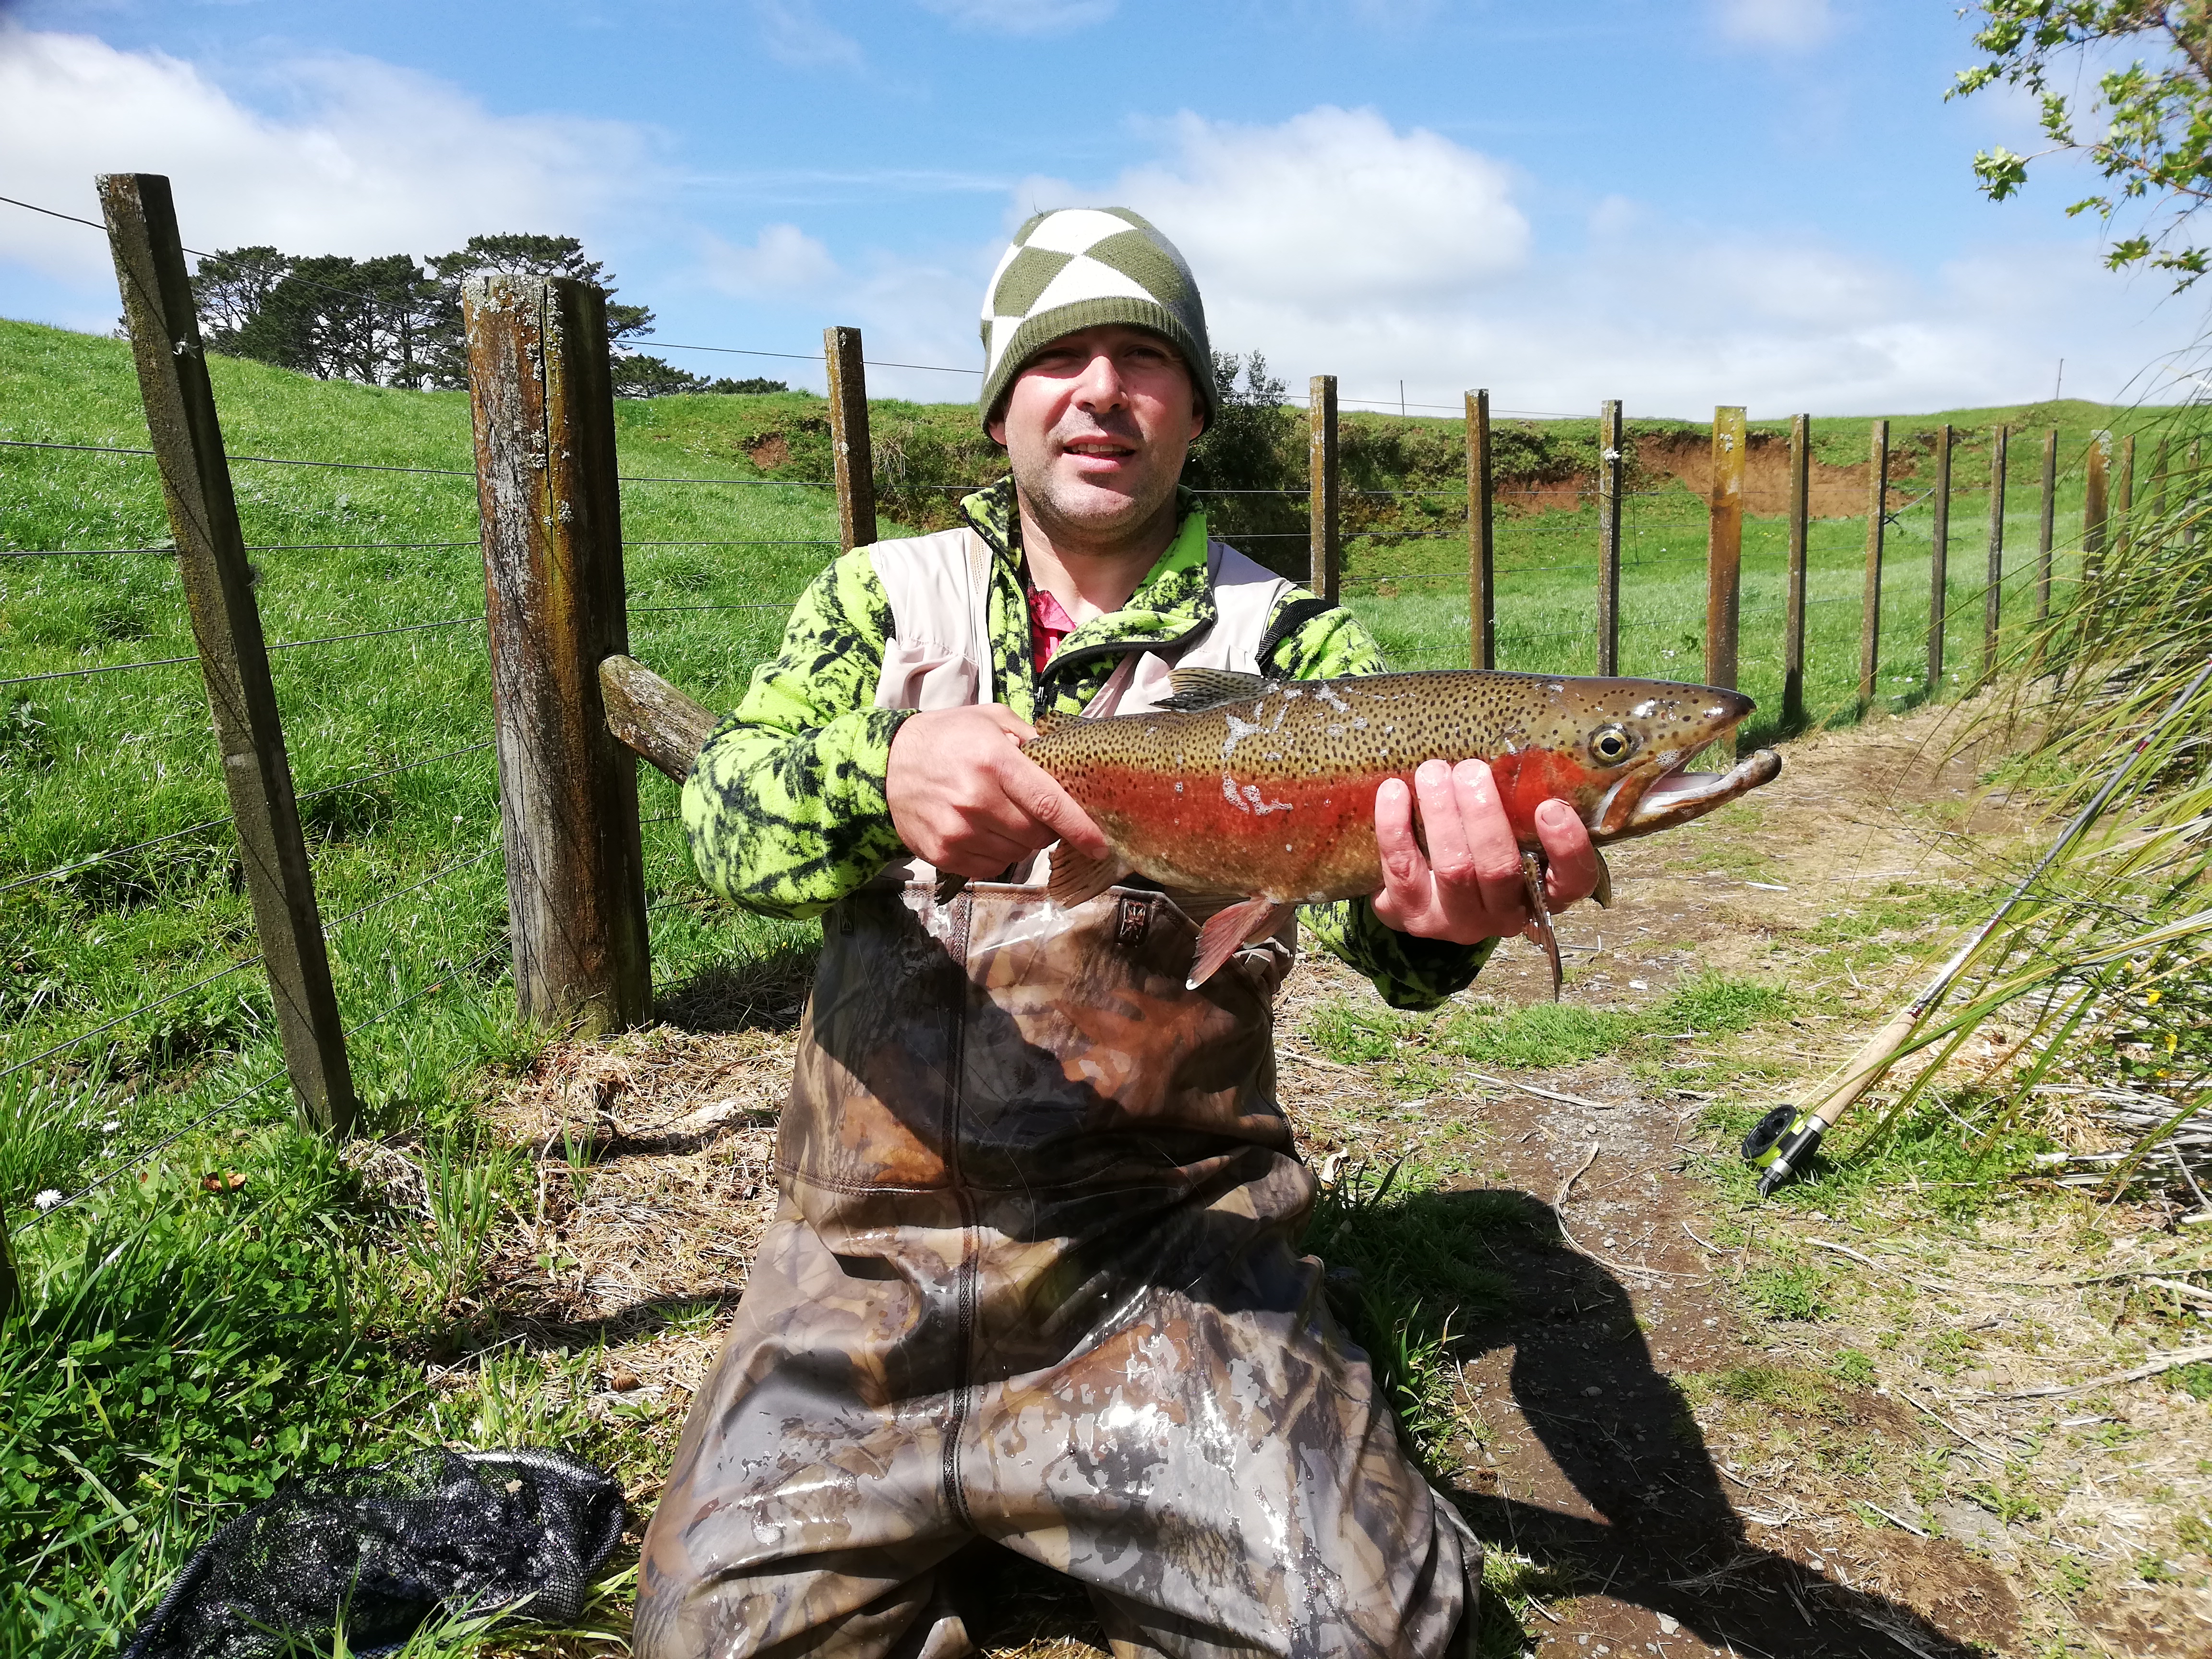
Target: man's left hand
(1468,886)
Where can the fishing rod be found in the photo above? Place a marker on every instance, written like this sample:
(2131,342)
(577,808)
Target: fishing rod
(1785,1140)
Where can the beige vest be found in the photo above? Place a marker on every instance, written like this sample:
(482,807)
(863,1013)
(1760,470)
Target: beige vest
(938,655)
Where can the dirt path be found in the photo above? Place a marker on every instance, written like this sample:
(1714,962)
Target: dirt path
(1684,1423)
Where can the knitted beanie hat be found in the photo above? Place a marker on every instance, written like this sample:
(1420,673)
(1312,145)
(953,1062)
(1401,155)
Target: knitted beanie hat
(1076,268)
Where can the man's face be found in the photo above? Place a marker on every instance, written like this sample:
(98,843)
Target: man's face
(1095,427)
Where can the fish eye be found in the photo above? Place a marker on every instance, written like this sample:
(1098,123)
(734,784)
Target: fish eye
(1611,746)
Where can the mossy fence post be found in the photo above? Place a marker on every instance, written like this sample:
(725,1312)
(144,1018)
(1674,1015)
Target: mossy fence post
(1793,615)
(2124,498)
(1725,548)
(1325,543)
(218,583)
(1939,559)
(2095,482)
(1609,471)
(855,470)
(2046,524)
(543,404)
(1481,535)
(1993,595)
(1870,590)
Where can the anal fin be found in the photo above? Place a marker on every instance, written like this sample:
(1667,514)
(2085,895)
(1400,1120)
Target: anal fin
(1076,878)
(1229,930)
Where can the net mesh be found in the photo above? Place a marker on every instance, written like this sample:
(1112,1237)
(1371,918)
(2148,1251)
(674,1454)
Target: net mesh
(380,1549)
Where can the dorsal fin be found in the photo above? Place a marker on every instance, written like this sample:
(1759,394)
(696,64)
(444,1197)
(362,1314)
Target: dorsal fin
(1045,719)
(1209,688)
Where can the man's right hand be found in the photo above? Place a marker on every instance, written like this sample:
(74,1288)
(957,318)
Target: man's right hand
(964,797)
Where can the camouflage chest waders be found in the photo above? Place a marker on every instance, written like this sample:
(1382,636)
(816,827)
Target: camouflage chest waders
(1033,1280)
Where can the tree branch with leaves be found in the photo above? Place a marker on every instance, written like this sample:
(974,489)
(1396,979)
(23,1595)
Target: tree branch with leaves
(2154,150)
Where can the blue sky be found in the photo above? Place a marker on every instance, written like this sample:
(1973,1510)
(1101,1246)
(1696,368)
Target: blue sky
(1678,202)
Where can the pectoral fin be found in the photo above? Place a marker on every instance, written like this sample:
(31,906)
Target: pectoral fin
(1076,879)
(1229,930)
(1532,878)
(1602,894)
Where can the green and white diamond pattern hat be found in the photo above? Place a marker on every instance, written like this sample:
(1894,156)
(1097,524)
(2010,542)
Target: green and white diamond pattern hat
(1077,268)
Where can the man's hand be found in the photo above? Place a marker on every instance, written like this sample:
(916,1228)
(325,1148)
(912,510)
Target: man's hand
(1468,886)
(963,796)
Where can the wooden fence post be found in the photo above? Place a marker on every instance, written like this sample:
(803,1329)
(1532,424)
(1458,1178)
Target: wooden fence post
(848,437)
(1609,470)
(2095,485)
(1481,534)
(2192,495)
(1793,617)
(1322,522)
(218,583)
(2124,498)
(2046,524)
(1939,560)
(543,404)
(1870,592)
(1725,548)
(1993,595)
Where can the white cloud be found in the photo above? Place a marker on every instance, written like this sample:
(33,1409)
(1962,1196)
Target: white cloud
(377,160)
(795,34)
(1331,207)
(784,259)
(1786,25)
(1024,16)
(1336,244)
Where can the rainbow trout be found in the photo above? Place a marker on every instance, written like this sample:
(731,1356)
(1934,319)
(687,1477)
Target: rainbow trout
(1264,790)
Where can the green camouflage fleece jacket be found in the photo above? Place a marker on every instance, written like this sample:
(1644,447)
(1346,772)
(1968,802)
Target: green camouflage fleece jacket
(786,806)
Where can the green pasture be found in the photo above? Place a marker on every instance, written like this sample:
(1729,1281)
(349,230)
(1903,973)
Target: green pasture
(238,1306)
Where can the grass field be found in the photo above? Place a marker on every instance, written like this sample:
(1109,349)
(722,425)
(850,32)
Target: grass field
(237,1307)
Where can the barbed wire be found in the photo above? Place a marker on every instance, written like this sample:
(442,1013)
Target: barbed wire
(376,633)
(260,460)
(251,547)
(108,668)
(136,1159)
(657,609)
(116,852)
(438,984)
(329,928)
(142,1008)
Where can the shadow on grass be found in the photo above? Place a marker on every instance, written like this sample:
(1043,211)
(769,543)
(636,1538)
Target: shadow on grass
(1463,1273)
(766,992)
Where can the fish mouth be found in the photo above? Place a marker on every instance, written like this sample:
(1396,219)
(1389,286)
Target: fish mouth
(1670,797)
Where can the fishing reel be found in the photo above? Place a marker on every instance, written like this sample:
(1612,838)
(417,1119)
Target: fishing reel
(1781,1143)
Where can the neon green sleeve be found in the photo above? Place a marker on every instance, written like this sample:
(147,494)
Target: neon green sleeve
(785,804)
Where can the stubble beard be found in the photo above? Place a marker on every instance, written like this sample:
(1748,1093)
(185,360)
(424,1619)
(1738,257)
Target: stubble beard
(1082,519)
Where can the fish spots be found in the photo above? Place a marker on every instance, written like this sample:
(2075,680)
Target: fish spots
(1178,787)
